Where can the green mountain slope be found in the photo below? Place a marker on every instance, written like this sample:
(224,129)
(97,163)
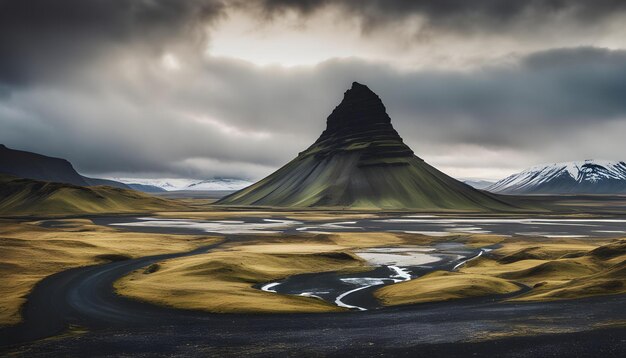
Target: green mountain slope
(360,161)
(21,197)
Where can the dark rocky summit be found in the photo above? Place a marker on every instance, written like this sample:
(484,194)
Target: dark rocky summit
(360,122)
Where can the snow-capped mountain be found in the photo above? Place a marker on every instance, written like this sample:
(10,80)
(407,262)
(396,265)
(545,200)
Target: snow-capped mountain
(174,184)
(584,177)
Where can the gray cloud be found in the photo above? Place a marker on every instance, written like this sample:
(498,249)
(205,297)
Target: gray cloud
(454,15)
(51,40)
(230,118)
(84,80)
(41,38)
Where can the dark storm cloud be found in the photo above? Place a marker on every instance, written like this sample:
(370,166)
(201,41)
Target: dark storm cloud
(42,38)
(453,14)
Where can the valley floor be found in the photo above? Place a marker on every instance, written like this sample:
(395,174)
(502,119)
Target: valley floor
(175,277)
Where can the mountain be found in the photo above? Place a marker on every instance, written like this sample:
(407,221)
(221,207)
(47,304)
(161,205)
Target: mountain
(35,166)
(20,197)
(39,167)
(360,161)
(583,177)
(477,183)
(176,184)
(167,184)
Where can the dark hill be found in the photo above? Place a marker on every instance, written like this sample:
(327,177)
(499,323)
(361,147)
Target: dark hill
(39,167)
(35,166)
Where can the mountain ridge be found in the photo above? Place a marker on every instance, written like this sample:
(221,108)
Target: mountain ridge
(575,177)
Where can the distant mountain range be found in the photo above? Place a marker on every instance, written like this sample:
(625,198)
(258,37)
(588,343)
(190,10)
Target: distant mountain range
(351,165)
(360,161)
(584,177)
(477,183)
(176,184)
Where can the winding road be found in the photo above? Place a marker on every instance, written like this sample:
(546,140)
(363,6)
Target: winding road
(84,297)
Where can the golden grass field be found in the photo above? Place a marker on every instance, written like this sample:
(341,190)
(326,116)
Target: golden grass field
(31,252)
(222,280)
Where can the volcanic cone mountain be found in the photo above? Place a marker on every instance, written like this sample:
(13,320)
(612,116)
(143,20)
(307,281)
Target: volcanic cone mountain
(360,161)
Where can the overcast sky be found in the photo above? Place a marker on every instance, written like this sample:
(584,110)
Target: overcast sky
(210,88)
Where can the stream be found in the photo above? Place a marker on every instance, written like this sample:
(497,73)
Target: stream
(390,265)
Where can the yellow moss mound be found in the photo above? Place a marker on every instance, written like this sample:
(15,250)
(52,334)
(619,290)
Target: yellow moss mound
(222,281)
(443,286)
(606,282)
(565,269)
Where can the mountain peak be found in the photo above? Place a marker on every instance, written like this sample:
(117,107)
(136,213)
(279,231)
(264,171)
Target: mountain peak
(360,123)
(359,89)
(360,106)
